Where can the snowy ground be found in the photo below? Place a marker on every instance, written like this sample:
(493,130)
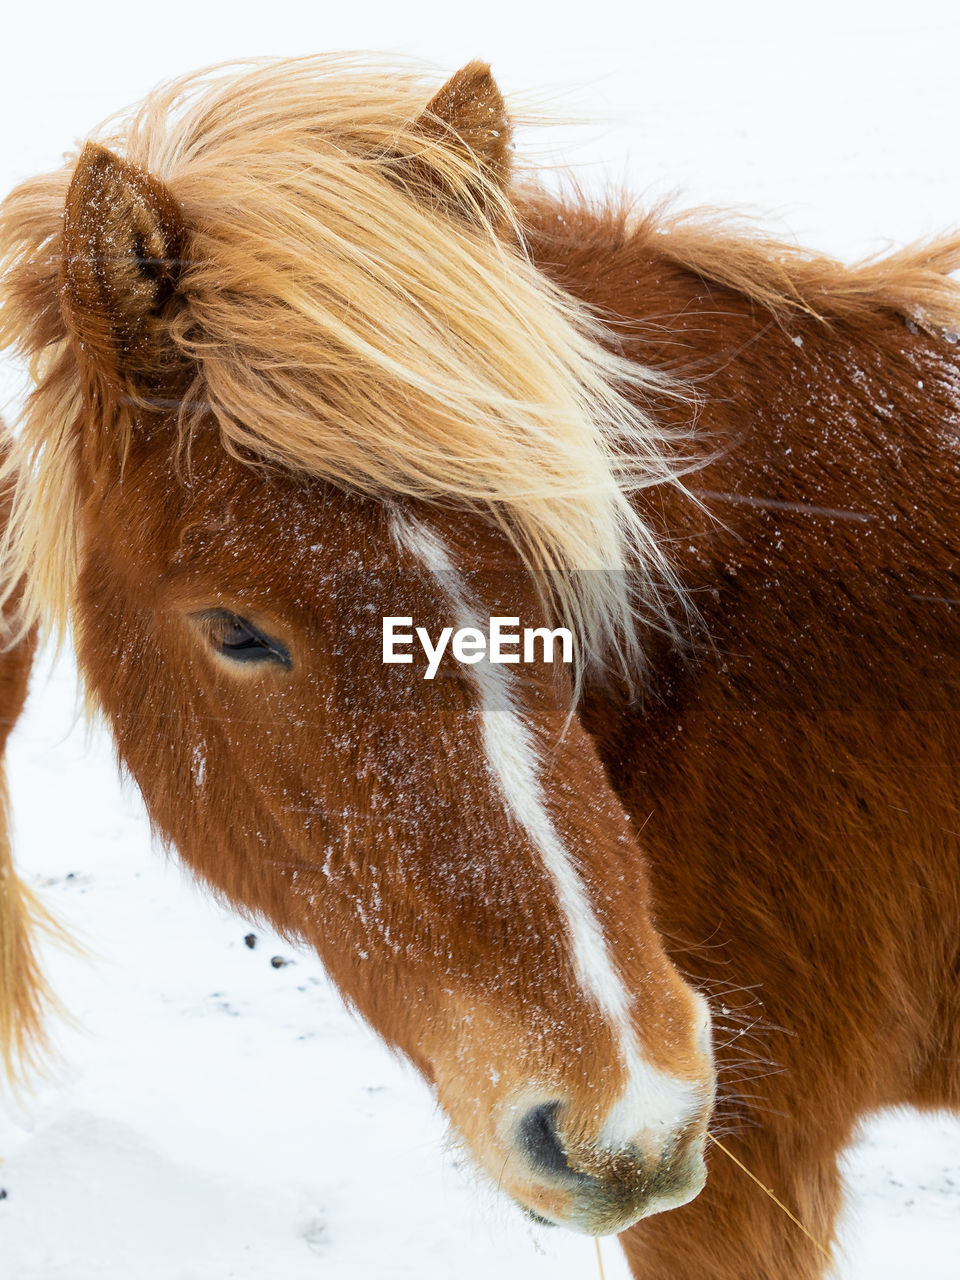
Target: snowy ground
(218,1117)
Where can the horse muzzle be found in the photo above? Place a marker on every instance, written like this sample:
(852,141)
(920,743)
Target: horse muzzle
(598,1190)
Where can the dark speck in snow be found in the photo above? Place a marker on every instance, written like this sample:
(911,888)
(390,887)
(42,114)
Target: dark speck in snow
(250,940)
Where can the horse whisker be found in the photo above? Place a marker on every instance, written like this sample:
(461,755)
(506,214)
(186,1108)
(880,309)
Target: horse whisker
(767,1192)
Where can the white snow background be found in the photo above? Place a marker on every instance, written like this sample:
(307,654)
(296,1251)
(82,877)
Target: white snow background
(215,1116)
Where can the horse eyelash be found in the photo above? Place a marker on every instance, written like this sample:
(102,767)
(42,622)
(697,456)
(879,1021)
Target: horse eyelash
(272,650)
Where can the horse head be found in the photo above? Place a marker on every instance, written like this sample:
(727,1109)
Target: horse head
(295,375)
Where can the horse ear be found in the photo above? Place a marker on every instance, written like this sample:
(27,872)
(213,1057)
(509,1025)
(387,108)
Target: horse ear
(123,245)
(469,114)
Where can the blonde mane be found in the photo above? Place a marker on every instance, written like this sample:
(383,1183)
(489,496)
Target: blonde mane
(788,280)
(344,326)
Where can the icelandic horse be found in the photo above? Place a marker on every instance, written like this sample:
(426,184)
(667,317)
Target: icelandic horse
(309,352)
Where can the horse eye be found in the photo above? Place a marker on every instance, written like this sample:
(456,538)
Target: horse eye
(235,638)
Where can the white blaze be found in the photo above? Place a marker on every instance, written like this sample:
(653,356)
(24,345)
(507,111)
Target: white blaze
(653,1101)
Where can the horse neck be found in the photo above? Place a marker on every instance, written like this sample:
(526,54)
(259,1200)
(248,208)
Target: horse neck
(807,427)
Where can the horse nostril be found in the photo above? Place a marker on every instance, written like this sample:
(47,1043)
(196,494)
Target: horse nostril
(539,1140)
